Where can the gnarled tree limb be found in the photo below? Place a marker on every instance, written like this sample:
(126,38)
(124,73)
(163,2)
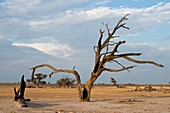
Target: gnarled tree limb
(54,70)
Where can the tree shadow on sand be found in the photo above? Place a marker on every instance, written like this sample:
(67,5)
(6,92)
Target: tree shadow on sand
(42,104)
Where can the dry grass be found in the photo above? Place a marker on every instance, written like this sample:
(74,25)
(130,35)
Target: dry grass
(104,99)
(50,92)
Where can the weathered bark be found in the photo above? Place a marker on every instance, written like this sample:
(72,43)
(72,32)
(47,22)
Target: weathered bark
(87,90)
(105,52)
(19,94)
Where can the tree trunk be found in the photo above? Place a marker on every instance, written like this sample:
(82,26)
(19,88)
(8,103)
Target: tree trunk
(86,93)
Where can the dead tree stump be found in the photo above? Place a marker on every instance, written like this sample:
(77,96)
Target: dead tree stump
(19,94)
(149,88)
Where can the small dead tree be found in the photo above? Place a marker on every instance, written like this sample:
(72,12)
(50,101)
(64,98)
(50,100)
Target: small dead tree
(19,94)
(106,51)
(113,81)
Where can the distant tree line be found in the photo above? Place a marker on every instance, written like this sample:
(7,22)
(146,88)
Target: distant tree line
(63,82)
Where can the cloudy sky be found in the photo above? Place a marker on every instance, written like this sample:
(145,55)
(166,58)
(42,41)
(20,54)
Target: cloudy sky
(63,33)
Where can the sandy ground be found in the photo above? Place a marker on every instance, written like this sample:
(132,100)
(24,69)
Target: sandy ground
(103,100)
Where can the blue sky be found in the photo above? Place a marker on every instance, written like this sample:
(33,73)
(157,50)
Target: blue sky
(63,33)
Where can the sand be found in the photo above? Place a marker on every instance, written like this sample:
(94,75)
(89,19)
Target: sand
(103,100)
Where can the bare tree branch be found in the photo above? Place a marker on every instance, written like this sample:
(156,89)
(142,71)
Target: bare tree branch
(121,65)
(112,57)
(107,27)
(116,47)
(128,54)
(95,48)
(142,62)
(119,25)
(54,70)
(100,40)
(114,70)
(123,25)
(51,74)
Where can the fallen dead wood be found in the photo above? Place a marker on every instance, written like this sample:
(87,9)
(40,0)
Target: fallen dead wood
(138,89)
(149,88)
(164,90)
(19,94)
(121,86)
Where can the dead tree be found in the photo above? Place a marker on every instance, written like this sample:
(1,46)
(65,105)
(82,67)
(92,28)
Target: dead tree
(106,51)
(113,81)
(19,94)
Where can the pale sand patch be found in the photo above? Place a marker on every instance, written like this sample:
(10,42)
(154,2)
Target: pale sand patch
(119,105)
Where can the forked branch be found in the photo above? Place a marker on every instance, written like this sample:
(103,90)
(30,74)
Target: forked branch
(112,48)
(118,26)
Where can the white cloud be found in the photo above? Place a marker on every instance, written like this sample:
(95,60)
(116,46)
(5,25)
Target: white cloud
(155,7)
(102,2)
(34,2)
(77,16)
(17,7)
(150,50)
(164,49)
(38,18)
(40,24)
(59,50)
(96,13)
(140,44)
(36,23)
(1,36)
(140,18)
